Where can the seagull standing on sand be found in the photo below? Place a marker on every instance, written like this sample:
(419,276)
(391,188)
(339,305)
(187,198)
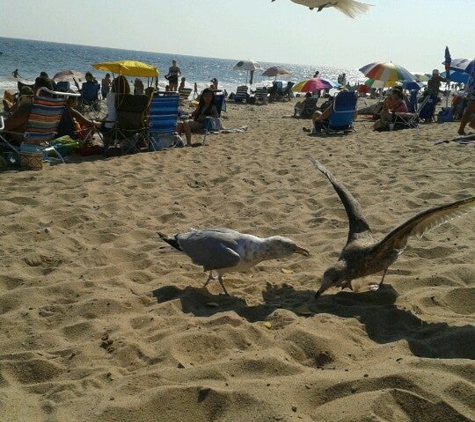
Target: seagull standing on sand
(226,250)
(350,8)
(363,255)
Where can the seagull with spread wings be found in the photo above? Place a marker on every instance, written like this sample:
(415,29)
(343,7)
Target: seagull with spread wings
(350,8)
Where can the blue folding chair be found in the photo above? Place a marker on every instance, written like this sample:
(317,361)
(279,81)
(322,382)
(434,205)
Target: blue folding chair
(89,100)
(162,118)
(341,116)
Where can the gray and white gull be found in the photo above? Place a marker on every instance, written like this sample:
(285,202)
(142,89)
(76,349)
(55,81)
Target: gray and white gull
(225,250)
(363,255)
(350,8)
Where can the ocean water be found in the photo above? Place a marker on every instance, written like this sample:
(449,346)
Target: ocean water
(32,57)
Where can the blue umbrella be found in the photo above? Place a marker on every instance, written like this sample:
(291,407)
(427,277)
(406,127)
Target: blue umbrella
(410,85)
(455,76)
(462,65)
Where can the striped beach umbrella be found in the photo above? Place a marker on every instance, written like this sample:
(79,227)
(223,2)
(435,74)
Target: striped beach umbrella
(311,85)
(386,71)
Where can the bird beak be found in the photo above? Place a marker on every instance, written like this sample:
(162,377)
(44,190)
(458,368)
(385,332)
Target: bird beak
(302,251)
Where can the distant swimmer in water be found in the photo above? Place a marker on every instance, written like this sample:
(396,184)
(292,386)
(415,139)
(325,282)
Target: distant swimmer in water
(15,74)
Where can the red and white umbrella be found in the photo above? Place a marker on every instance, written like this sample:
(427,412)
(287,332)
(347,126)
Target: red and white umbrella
(66,75)
(276,71)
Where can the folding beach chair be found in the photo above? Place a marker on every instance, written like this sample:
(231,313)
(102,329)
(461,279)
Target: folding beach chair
(40,130)
(161,122)
(261,96)
(184,94)
(411,120)
(130,129)
(89,100)
(242,95)
(341,116)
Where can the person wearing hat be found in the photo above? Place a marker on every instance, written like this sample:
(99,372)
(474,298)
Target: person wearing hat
(214,84)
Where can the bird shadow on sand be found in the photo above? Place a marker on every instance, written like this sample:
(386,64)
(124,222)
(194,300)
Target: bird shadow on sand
(384,322)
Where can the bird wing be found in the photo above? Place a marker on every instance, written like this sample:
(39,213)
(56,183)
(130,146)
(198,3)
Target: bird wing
(350,8)
(356,219)
(425,221)
(214,249)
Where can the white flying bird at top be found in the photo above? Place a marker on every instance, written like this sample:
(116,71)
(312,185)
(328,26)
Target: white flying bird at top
(350,8)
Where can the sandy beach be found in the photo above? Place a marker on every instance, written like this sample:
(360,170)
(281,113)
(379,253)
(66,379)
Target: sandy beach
(101,321)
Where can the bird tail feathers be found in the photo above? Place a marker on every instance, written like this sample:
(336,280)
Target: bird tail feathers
(352,8)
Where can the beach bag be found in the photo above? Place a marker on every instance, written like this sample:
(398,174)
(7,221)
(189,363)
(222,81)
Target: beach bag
(445,115)
(213,124)
(158,142)
(31,157)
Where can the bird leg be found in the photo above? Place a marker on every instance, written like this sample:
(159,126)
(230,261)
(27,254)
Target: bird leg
(220,279)
(210,277)
(381,282)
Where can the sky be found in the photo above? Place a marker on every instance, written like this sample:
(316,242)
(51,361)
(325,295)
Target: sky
(411,33)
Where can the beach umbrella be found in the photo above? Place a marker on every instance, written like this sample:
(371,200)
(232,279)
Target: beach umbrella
(462,65)
(455,76)
(448,59)
(128,68)
(276,71)
(311,85)
(411,85)
(422,77)
(333,83)
(376,83)
(65,75)
(386,71)
(247,66)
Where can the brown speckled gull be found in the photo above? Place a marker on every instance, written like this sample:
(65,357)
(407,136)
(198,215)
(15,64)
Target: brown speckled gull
(363,255)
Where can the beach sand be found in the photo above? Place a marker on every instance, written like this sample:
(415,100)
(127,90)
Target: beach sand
(100,321)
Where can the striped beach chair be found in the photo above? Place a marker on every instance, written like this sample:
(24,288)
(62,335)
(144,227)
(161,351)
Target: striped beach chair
(41,128)
(162,118)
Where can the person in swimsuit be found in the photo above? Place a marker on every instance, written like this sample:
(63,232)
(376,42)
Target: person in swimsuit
(173,73)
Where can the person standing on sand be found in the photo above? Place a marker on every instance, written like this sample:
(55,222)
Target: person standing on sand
(15,74)
(173,73)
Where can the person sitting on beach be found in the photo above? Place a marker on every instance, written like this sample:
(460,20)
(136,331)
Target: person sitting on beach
(73,123)
(138,87)
(214,84)
(182,83)
(120,85)
(11,103)
(394,103)
(305,109)
(16,123)
(321,118)
(106,85)
(206,108)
